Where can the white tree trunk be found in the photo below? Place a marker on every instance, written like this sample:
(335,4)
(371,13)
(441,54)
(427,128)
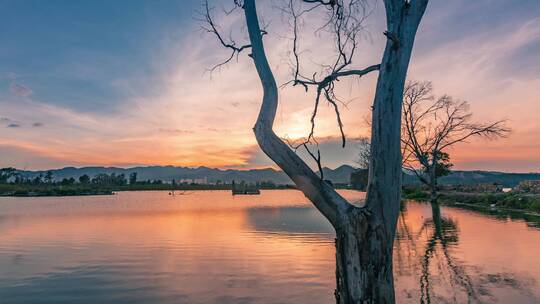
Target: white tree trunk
(363,262)
(364,236)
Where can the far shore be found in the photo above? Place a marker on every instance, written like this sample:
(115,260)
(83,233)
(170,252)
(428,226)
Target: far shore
(25,190)
(511,202)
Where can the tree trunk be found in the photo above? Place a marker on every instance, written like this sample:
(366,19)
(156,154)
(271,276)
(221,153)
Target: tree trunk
(433,192)
(432,186)
(363,262)
(364,236)
(433,178)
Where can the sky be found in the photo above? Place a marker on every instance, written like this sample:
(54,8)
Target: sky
(125,83)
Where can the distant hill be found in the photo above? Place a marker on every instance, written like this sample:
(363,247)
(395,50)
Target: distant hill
(211,175)
(341,174)
(168,173)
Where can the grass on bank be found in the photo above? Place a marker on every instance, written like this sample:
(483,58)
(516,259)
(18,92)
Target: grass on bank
(518,201)
(52,190)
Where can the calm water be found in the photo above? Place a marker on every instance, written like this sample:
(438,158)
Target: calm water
(210,247)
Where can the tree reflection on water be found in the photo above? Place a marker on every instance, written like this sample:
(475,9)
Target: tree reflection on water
(444,234)
(432,264)
(431,255)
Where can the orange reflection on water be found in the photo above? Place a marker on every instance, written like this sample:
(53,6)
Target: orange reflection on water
(211,247)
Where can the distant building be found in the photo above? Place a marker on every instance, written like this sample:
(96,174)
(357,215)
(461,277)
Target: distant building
(194,180)
(480,187)
(529,186)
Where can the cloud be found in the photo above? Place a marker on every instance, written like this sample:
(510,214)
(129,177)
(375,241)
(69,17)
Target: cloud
(13,125)
(332,154)
(175,131)
(25,157)
(190,118)
(20,90)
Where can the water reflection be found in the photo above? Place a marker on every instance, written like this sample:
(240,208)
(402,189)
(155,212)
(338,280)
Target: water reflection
(444,235)
(293,222)
(209,247)
(432,254)
(532,220)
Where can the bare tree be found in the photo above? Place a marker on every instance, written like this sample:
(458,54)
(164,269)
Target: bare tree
(364,153)
(359,177)
(431,126)
(364,235)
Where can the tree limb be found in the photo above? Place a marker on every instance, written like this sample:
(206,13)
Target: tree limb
(345,26)
(231,45)
(323,196)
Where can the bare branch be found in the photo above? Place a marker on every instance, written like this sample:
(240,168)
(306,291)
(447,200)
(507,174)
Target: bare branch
(329,2)
(364,152)
(304,143)
(327,86)
(317,159)
(230,44)
(345,21)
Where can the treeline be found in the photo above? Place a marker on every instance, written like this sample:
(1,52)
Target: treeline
(12,176)
(12,183)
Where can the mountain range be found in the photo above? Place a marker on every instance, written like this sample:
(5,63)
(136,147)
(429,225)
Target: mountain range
(211,175)
(199,174)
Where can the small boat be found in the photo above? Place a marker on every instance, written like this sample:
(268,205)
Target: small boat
(246,191)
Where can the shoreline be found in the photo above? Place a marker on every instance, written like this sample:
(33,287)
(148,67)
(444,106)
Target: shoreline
(510,201)
(504,202)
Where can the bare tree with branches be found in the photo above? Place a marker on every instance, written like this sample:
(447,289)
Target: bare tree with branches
(431,126)
(364,153)
(359,177)
(364,235)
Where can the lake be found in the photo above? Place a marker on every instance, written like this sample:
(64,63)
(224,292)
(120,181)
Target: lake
(211,247)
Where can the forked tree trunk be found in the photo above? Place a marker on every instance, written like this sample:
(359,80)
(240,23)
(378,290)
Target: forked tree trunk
(433,178)
(364,236)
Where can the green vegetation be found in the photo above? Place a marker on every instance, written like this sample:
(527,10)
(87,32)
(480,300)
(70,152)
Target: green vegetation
(416,194)
(51,190)
(517,201)
(520,201)
(14,184)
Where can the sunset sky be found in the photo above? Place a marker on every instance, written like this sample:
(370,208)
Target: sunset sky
(124,83)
